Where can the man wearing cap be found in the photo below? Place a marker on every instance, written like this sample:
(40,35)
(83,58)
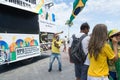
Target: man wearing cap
(114,67)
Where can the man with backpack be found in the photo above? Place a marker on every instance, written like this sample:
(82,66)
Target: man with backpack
(78,52)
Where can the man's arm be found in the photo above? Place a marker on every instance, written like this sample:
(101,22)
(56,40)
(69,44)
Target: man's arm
(59,32)
(56,34)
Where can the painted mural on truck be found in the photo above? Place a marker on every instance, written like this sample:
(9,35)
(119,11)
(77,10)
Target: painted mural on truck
(15,47)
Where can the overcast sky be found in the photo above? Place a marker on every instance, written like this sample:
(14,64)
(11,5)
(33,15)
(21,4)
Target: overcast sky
(95,11)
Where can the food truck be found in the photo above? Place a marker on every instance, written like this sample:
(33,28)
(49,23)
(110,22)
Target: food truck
(19,30)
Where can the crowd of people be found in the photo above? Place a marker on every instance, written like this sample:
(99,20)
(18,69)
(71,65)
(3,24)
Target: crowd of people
(102,48)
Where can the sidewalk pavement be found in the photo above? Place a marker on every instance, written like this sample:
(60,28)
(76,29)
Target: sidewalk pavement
(67,72)
(38,70)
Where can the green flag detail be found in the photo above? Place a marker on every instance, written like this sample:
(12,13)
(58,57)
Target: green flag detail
(78,5)
(40,11)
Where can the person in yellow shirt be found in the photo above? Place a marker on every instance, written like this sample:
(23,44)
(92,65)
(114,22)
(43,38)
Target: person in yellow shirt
(99,51)
(114,66)
(56,43)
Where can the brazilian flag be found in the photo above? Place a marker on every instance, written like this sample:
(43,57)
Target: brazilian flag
(78,5)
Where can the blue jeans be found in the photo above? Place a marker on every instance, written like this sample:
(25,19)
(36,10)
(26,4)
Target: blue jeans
(52,58)
(81,71)
(113,75)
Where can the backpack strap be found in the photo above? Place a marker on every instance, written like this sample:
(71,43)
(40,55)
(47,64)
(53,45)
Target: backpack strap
(80,46)
(80,40)
(82,37)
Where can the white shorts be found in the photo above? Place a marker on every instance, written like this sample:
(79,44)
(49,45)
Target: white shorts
(97,78)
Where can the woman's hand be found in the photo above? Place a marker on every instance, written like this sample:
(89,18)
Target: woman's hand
(114,40)
(115,47)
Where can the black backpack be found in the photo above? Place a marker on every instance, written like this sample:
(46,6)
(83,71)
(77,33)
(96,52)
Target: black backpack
(76,53)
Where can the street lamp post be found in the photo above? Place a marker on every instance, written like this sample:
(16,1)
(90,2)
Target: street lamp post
(68,34)
(69,25)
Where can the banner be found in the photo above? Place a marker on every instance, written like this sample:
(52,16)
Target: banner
(15,47)
(28,5)
(47,26)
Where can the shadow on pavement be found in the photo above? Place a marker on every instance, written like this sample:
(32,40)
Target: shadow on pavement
(15,65)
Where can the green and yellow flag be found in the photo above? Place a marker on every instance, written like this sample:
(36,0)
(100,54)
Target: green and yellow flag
(78,5)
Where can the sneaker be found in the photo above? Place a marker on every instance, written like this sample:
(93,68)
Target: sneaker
(49,70)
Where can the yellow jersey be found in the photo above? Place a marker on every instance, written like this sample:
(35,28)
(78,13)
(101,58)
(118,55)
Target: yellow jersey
(54,48)
(100,67)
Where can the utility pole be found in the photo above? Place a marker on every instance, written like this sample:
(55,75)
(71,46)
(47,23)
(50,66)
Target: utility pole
(68,34)
(69,25)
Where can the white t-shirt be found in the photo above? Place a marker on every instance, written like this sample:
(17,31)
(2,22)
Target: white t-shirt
(85,42)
